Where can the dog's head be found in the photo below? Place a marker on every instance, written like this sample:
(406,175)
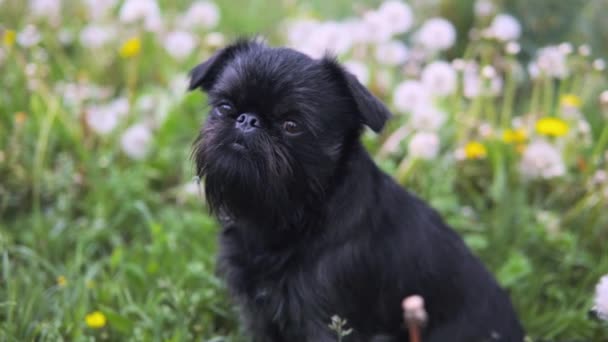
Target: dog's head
(280,125)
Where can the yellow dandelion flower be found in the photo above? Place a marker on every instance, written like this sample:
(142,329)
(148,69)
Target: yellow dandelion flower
(475,150)
(9,37)
(96,320)
(552,127)
(130,48)
(62,281)
(571,100)
(514,136)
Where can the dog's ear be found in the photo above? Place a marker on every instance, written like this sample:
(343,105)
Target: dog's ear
(372,112)
(205,74)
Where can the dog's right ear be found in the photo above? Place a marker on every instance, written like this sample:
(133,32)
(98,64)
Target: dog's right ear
(205,74)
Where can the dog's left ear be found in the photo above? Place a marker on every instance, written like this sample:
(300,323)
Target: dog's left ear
(205,74)
(372,112)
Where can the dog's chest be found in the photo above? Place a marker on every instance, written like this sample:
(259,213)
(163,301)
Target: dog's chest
(276,289)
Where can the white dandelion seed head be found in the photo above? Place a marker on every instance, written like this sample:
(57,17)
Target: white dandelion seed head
(551,61)
(358,69)
(436,34)
(179,44)
(99,8)
(29,36)
(377,28)
(398,14)
(484,8)
(599,64)
(505,27)
(424,145)
(95,36)
(146,11)
(391,53)
(604,98)
(488,71)
(542,160)
(439,78)
(600,301)
(512,48)
(600,177)
(201,14)
(215,40)
(101,120)
(566,48)
(410,95)
(48,9)
(427,118)
(135,141)
(584,50)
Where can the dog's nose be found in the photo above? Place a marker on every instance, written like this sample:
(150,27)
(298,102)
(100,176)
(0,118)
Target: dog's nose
(247,122)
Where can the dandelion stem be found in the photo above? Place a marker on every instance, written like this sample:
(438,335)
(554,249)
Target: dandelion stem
(535,97)
(507,104)
(414,331)
(549,93)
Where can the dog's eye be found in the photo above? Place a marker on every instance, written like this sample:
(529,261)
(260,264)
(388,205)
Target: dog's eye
(223,109)
(291,127)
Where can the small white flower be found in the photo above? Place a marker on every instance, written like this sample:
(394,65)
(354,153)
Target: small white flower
(203,14)
(512,48)
(427,118)
(95,36)
(101,120)
(398,15)
(542,160)
(391,53)
(49,9)
(424,145)
(410,95)
(505,27)
(358,69)
(600,302)
(436,34)
(135,141)
(29,36)
(377,28)
(179,44)
(439,78)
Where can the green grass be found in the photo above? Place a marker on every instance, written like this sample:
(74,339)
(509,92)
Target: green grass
(131,243)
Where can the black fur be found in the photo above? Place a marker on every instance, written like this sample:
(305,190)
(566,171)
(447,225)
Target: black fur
(311,227)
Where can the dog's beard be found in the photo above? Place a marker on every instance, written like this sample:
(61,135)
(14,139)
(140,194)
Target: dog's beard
(262,184)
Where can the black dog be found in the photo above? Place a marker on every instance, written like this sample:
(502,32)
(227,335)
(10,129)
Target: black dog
(311,227)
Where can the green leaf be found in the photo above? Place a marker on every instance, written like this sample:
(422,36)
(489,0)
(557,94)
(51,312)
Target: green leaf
(515,268)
